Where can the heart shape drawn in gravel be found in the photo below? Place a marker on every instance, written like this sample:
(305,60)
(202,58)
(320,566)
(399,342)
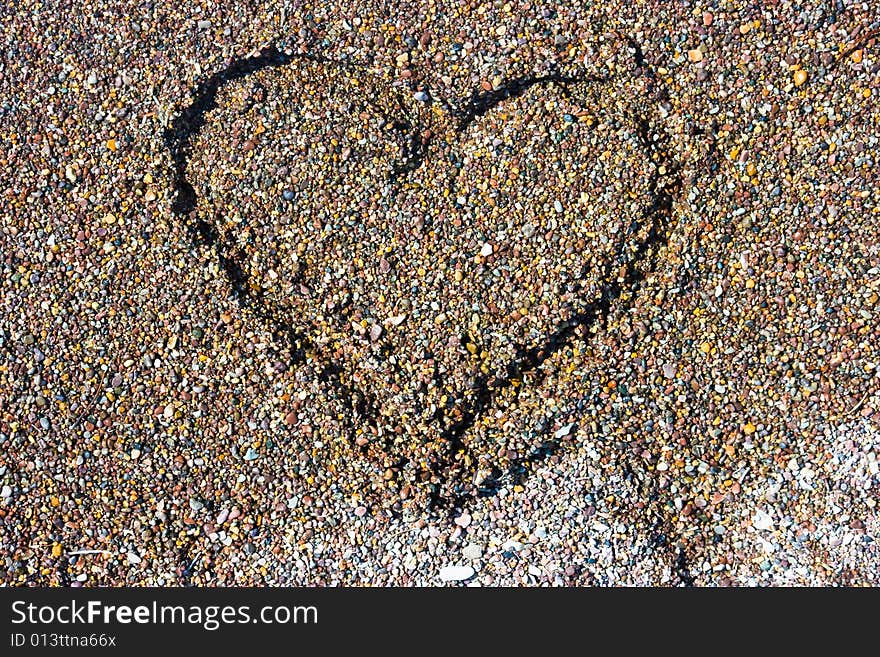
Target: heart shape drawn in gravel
(423,256)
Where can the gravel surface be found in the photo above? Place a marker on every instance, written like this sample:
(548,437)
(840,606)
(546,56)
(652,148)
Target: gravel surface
(410,293)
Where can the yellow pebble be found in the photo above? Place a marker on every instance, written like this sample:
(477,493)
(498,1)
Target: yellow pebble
(111,144)
(705,347)
(800,76)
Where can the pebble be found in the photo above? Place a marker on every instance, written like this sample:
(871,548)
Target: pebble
(456,573)
(563,431)
(762,520)
(695,55)
(472,551)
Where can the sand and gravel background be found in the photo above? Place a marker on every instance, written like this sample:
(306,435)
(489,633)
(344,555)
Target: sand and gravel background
(310,294)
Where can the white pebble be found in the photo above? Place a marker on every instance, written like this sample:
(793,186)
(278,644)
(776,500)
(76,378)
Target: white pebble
(472,552)
(563,431)
(762,520)
(456,573)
